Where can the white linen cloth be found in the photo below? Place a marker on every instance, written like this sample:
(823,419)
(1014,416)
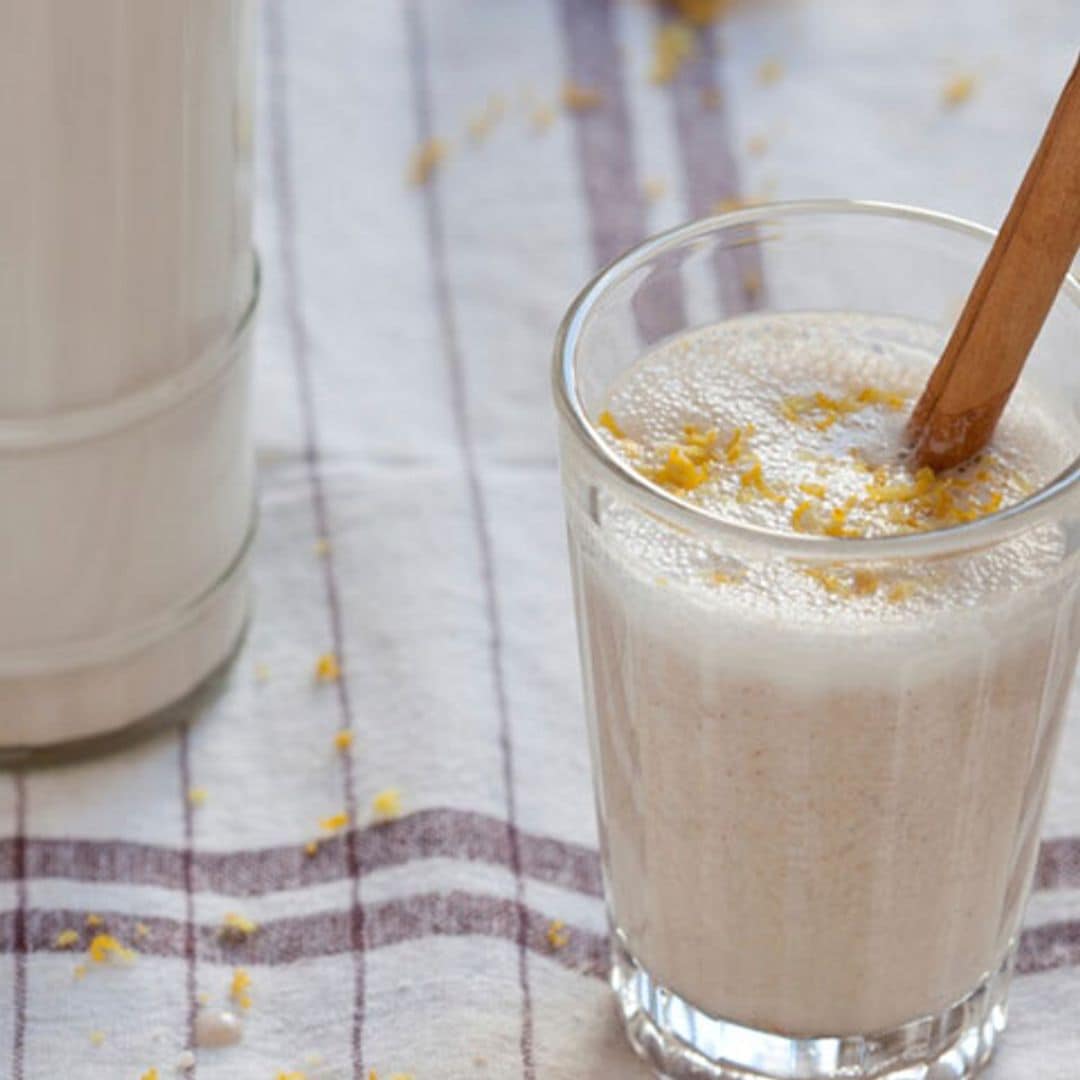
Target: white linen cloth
(403,415)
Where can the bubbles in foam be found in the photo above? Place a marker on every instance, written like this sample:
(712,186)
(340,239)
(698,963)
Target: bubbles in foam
(739,375)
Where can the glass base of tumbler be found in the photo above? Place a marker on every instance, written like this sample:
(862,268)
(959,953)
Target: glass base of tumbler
(682,1043)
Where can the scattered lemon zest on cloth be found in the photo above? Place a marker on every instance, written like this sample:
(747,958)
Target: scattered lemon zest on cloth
(97,1038)
(701,12)
(386,805)
(425,159)
(94,921)
(327,668)
(66,938)
(752,283)
(711,98)
(958,90)
(541,118)
(292,1076)
(608,422)
(78,971)
(237,927)
(673,45)
(484,119)
(579,98)
(197,796)
(343,740)
(238,988)
(104,948)
(150,1074)
(558,937)
(334,822)
(654,189)
(817,490)
(311,848)
(770,71)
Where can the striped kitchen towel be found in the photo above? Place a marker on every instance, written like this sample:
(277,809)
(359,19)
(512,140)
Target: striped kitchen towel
(436,179)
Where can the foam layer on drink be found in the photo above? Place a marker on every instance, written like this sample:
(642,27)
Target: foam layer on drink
(794,424)
(820,783)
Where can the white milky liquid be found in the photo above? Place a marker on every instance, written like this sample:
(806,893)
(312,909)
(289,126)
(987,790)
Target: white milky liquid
(819,785)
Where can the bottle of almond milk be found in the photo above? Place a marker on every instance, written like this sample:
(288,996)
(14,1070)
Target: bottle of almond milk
(127,291)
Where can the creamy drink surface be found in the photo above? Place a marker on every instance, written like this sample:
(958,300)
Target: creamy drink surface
(818,781)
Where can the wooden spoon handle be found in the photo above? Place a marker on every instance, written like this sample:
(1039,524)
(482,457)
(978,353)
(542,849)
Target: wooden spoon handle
(970,386)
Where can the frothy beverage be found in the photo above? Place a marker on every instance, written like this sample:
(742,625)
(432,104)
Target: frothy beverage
(820,778)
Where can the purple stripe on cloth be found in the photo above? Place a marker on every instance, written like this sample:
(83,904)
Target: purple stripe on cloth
(606,157)
(187,868)
(1059,864)
(19,930)
(326,933)
(1043,948)
(452,353)
(425,834)
(393,922)
(710,169)
(285,201)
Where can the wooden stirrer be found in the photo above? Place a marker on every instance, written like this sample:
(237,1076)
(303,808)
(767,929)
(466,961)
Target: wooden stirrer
(970,386)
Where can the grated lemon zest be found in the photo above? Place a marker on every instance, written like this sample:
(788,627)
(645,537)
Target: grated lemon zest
(334,822)
(237,926)
(327,668)
(557,935)
(105,948)
(673,45)
(679,471)
(238,988)
(608,422)
(386,805)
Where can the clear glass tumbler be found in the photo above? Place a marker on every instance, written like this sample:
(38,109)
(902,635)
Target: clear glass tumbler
(818,838)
